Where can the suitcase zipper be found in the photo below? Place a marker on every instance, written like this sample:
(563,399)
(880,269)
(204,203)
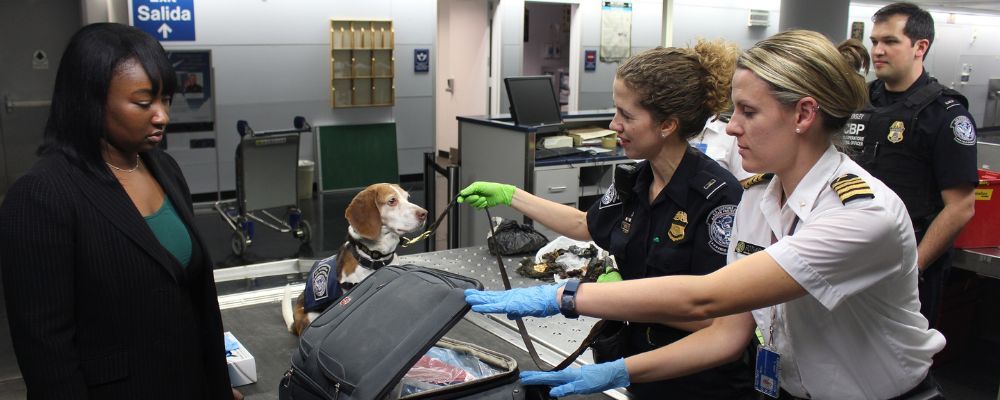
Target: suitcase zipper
(287,379)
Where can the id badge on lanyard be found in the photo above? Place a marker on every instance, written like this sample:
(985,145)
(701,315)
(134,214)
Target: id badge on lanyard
(768,366)
(767,370)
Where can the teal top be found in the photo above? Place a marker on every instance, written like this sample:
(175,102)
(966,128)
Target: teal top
(171,232)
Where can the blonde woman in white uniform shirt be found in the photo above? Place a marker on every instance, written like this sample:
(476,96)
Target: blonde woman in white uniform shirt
(822,254)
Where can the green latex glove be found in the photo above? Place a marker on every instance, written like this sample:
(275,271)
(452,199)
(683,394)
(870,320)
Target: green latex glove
(610,273)
(486,194)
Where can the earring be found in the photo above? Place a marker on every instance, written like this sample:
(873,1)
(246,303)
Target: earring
(797,130)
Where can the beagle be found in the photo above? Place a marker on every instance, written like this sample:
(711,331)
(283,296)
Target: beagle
(376,217)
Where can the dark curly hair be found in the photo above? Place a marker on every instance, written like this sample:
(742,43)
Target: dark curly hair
(689,84)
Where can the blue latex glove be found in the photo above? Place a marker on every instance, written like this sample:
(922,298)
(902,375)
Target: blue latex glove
(535,301)
(586,379)
(231,344)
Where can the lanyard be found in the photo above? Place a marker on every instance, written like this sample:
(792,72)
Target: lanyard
(774,308)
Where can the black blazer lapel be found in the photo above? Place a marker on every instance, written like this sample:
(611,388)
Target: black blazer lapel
(110,199)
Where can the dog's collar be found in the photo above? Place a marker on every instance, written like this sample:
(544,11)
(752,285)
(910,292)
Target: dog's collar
(369,258)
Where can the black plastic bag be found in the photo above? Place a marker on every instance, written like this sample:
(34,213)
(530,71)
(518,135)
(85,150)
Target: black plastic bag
(514,238)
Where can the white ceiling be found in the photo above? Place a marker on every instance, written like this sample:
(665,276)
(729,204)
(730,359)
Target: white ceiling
(991,7)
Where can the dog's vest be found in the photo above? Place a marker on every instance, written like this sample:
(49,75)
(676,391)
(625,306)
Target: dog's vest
(323,286)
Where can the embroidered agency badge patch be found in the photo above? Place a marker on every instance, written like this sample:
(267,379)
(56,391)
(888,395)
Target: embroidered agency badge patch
(896,132)
(720,227)
(321,282)
(964,130)
(610,198)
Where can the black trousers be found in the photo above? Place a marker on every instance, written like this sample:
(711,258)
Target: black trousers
(931,285)
(927,389)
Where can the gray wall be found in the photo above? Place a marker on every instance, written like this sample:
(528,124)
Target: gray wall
(272,62)
(595,86)
(727,20)
(826,17)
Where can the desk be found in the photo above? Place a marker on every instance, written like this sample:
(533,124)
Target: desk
(497,150)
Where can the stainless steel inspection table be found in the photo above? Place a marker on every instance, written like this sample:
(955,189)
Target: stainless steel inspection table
(254,316)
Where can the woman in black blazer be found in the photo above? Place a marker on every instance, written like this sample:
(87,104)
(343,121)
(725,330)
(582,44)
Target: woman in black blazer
(109,289)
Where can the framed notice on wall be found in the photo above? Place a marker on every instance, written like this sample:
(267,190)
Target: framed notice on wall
(616,31)
(193,107)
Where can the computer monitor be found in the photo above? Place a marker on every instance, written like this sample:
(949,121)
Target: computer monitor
(533,101)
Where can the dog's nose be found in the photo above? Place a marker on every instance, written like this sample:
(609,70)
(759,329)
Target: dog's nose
(421,214)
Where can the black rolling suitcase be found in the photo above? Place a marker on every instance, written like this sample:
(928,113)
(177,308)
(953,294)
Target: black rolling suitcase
(361,347)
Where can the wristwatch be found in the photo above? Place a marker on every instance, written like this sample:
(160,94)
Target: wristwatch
(567,303)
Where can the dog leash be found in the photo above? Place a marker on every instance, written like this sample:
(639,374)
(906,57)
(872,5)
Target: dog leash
(430,230)
(523,330)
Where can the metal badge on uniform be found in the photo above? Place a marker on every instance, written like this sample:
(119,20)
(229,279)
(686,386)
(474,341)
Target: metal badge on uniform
(896,131)
(677,227)
(768,367)
(627,223)
(709,184)
(964,130)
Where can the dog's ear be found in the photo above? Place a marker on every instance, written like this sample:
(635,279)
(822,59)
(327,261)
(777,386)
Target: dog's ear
(363,214)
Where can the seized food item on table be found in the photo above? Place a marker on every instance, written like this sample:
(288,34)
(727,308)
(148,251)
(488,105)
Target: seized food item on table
(551,264)
(588,252)
(543,270)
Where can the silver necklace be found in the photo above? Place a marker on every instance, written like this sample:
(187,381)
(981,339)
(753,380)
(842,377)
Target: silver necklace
(130,170)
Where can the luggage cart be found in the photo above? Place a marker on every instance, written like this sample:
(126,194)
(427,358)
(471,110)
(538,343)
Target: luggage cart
(266,168)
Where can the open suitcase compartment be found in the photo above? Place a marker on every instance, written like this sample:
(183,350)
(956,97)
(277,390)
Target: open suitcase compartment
(362,346)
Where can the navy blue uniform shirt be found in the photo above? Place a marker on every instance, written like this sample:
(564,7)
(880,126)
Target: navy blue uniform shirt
(940,151)
(684,231)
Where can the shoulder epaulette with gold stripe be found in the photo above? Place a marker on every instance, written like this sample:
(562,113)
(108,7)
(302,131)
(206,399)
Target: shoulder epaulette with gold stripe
(753,180)
(849,187)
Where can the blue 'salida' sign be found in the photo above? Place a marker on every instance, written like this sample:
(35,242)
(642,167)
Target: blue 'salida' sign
(166,20)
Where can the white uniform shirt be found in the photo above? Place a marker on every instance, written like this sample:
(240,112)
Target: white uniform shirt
(858,334)
(715,143)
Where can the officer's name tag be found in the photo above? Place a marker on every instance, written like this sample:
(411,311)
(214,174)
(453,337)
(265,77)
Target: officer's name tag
(747,248)
(765,378)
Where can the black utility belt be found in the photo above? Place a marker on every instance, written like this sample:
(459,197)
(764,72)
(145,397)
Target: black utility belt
(653,336)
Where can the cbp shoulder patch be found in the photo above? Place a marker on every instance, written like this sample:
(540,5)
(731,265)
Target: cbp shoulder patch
(849,188)
(610,198)
(753,180)
(720,227)
(321,282)
(964,130)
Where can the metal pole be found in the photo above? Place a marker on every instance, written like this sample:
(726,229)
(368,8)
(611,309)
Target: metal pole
(429,195)
(453,212)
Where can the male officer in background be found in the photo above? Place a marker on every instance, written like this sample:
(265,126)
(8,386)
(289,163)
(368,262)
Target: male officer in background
(918,138)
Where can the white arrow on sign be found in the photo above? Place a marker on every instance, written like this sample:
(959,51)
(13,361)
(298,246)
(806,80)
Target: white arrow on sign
(164,30)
